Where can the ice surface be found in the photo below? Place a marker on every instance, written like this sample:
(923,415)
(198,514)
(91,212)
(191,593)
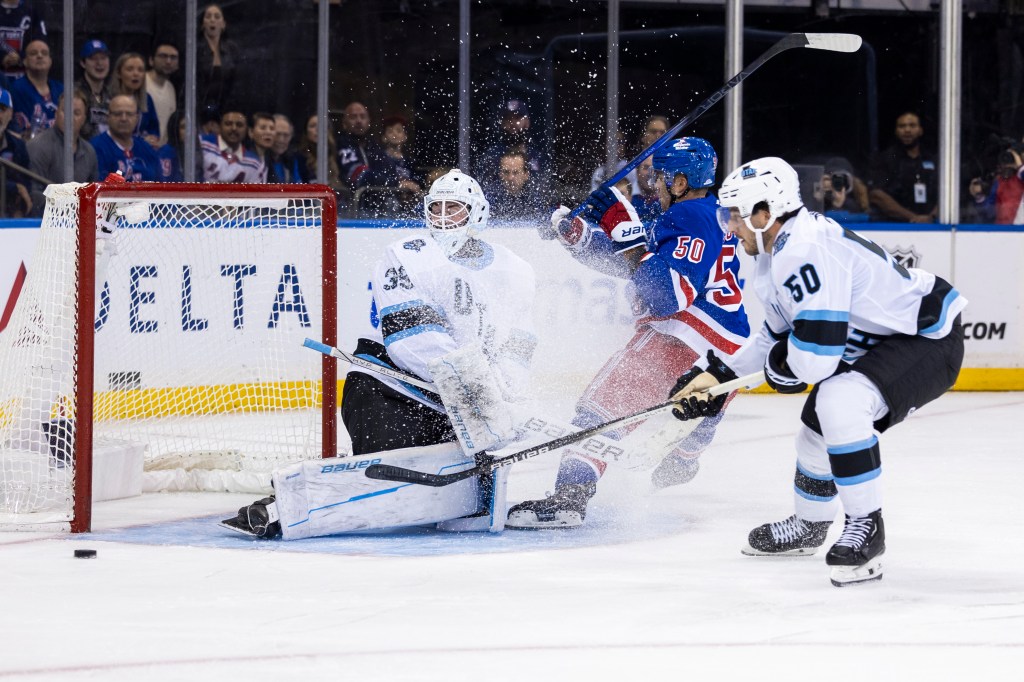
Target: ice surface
(653,587)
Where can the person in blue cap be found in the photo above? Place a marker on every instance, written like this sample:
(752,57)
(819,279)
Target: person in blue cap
(94,59)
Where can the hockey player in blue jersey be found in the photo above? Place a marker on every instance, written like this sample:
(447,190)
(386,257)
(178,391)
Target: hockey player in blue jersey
(877,340)
(685,273)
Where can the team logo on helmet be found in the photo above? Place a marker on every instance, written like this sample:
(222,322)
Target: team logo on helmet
(749,172)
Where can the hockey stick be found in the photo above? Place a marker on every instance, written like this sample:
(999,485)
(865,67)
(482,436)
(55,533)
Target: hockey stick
(383,370)
(604,448)
(831,42)
(386,472)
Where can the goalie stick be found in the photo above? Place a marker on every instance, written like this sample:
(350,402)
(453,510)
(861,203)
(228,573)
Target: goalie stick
(383,370)
(831,42)
(386,472)
(610,450)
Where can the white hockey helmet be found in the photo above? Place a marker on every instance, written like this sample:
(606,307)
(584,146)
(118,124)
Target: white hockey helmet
(455,209)
(770,180)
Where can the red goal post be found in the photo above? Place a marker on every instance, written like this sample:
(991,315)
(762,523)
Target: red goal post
(214,389)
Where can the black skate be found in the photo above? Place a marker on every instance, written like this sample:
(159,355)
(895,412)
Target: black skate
(675,470)
(792,537)
(855,558)
(258,519)
(566,508)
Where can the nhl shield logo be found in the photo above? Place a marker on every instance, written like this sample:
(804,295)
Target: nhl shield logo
(907,257)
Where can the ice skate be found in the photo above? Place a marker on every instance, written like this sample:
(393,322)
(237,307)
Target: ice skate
(675,470)
(855,558)
(566,508)
(258,519)
(792,537)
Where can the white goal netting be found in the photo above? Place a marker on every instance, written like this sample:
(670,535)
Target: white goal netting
(201,307)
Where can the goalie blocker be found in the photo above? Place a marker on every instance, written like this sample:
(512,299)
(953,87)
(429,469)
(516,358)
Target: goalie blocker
(333,496)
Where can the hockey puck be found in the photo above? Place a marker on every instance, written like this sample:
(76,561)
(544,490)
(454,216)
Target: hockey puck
(85,553)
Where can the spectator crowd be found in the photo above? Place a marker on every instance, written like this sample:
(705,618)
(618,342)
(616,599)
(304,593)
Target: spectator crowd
(127,116)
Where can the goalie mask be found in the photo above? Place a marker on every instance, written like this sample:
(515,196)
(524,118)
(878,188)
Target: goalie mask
(455,209)
(769,180)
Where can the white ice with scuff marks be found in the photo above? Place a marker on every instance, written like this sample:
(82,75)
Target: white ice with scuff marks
(654,587)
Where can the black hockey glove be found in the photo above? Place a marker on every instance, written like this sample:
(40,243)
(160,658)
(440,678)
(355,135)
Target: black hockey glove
(777,372)
(598,203)
(694,407)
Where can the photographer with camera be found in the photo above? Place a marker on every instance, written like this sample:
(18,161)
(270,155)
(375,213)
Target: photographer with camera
(999,199)
(845,195)
(903,181)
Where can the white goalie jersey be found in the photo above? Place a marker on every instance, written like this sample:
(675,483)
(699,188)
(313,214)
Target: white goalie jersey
(429,306)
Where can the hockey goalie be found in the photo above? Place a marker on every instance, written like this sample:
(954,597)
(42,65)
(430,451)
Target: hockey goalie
(456,312)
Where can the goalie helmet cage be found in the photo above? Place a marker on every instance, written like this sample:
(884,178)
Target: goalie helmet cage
(47,352)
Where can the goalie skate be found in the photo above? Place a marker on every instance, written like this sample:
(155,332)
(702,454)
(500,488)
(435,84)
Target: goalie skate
(791,537)
(566,508)
(259,520)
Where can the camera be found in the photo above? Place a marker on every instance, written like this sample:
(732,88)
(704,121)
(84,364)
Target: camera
(1007,157)
(840,181)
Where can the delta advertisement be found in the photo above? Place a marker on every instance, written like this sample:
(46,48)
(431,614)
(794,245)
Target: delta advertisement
(226,302)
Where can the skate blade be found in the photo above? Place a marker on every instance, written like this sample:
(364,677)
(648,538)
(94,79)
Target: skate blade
(802,551)
(529,521)
(234,524)
(852,575)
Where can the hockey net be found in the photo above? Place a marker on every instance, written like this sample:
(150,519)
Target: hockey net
(177,336)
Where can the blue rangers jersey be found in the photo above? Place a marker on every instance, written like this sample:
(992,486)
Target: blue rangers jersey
(689,279)
(430,305)
(688,282)
(836,294)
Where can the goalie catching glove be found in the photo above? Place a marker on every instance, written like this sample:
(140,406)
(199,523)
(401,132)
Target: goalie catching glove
(609,209)
(699,381)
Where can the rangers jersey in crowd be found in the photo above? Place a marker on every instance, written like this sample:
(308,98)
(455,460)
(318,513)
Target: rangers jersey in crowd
(843,295)
(429,306)
(19,26)
(138,164)
(223,164)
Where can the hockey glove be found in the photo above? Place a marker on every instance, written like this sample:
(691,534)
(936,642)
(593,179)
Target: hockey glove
(697,381)
(598,203)
(777,372)
(619,220)
(572,232)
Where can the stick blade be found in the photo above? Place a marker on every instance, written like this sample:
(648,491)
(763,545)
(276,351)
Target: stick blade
(387,472)
(834,42)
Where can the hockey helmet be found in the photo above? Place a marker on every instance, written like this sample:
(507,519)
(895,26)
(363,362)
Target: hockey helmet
(455,209)
(770,180)
(694,157)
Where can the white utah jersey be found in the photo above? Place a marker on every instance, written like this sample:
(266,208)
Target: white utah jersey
(430,305)
(837,294)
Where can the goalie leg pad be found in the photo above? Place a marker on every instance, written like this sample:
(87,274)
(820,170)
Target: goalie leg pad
(332,496)
(467,386)
(493,506)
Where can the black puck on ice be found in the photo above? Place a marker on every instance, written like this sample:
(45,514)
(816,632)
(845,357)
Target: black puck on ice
(85,553)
